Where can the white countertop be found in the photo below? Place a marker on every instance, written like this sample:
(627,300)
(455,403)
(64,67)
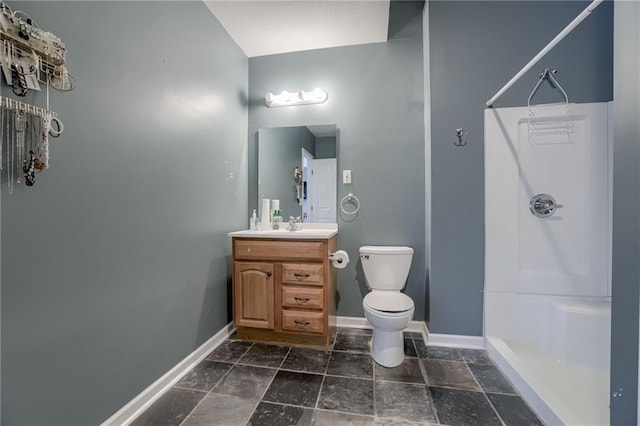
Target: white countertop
(317,231)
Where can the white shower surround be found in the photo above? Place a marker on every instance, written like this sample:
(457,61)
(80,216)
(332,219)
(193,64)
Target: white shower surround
(547,281)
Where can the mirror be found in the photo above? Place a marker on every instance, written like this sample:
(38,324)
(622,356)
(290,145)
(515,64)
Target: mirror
(298,166)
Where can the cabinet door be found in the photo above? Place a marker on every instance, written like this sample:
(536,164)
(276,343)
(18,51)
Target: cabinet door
(253,294)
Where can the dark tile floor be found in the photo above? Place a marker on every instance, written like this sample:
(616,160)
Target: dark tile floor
(244,383)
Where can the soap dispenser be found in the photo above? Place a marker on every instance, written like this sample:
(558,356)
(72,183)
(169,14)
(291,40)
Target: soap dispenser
(253,221)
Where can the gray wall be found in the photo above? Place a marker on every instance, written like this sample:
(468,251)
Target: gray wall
(115,265)
(475,48)
(279,152)
(326,147)
(626,216)
(376,101)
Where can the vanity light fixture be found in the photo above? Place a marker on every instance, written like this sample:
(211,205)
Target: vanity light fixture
(301,97)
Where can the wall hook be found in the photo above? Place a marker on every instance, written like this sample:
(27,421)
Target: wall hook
(460,133)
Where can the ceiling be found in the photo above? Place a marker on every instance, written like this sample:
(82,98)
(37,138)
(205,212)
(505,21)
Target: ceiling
(268,27)
(322,130)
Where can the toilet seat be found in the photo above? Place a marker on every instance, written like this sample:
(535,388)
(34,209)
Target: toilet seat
(388,302)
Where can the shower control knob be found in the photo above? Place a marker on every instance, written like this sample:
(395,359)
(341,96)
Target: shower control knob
(543,205)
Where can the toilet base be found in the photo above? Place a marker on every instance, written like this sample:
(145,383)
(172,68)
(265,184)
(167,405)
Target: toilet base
(387,347)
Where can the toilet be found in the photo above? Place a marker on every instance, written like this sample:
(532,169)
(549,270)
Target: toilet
(387,309)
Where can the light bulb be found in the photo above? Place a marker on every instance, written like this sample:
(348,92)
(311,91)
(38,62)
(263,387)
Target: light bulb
(319,95)
(268,98)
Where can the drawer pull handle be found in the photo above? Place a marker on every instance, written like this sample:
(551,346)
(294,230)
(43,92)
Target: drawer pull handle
(301,299)
(300,275)
(302,323)
(268,274)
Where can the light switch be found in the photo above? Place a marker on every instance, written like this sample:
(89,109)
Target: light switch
(346,176)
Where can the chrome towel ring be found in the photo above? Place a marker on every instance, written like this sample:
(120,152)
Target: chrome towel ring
(350,199)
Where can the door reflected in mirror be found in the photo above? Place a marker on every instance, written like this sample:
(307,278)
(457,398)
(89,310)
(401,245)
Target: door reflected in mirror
(298,166)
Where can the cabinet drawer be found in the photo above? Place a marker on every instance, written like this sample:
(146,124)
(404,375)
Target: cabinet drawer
(299,273)
(278,250)
(310,322)
(302,297)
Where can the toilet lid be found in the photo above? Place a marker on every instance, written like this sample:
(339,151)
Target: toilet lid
(388,301)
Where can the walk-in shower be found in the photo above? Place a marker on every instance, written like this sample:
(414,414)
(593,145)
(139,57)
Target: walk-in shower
(547,266)
(547,299)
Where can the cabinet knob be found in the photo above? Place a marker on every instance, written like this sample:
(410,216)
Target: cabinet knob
(269,274)
(302,323)
(301,275)
(301,299)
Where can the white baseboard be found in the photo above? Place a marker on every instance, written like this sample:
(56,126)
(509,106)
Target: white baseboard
(451,340)
(353,322)
(455,341)
(360,322)
(137,405)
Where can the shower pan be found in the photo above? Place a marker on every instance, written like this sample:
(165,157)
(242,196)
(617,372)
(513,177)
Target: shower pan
(548,255)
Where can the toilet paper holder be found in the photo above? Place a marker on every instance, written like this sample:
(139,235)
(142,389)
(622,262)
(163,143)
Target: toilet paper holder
(339,259)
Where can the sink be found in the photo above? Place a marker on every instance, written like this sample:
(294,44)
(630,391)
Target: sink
(309,230)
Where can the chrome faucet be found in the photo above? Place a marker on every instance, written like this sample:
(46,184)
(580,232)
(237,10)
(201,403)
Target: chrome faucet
(295,223)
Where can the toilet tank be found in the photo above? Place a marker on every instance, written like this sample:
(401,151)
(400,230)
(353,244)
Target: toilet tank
(386,267)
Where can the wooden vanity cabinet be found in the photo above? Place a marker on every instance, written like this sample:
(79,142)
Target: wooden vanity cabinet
(284,291)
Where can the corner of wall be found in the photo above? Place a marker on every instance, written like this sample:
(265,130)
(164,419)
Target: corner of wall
(427,151)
